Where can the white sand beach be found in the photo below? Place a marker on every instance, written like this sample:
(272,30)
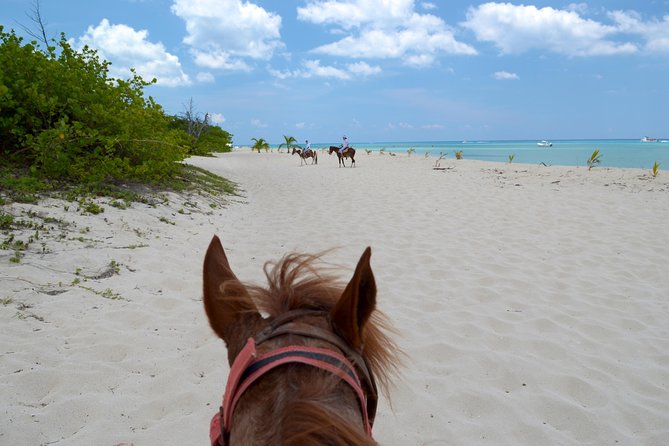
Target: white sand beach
(532,302)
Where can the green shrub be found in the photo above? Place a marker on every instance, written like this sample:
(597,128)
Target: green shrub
(63,117)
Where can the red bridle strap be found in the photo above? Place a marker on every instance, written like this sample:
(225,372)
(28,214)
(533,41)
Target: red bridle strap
(248,367)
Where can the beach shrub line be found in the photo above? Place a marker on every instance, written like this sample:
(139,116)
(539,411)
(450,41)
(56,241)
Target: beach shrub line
(65,121)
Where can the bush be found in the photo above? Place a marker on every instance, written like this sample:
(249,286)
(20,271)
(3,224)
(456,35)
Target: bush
(62,117)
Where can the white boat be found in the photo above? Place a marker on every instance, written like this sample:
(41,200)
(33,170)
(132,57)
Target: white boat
(647,139)
(545,143)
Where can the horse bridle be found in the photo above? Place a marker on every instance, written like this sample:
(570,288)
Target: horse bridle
(349,365)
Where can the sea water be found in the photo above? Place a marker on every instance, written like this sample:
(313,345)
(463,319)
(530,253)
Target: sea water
(613,152)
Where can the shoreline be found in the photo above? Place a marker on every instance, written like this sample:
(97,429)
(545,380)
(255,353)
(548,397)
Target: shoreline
(571,153)
(530,300)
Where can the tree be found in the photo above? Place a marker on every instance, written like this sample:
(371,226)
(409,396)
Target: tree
(195,125)
(259,144)
(289,143)
(36,17)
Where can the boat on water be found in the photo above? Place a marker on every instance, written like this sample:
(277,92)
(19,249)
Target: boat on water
(545,143)
(647,139)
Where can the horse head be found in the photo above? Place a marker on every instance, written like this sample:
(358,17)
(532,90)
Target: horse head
(296,352)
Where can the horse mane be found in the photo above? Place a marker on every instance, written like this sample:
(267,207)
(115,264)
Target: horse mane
(296,282)
(308,423)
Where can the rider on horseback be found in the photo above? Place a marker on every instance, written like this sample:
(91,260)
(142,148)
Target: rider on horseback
(344,146)
(307,148)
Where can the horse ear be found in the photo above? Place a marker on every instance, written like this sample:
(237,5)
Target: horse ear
(226,300)
(356,303)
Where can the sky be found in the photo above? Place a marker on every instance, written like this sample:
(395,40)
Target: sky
(385,70)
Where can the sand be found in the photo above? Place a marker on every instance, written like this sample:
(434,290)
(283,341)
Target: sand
(532,302)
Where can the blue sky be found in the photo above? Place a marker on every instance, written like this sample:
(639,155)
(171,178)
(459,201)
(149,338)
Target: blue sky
(387,70)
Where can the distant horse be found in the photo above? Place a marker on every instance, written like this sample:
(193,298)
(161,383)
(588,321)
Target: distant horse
(348,153)
(304,154)
(303,352)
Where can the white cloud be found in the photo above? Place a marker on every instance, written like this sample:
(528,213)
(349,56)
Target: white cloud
(349,14)
(384,29)
(127,48)
(217,118)
(428,6)
(363,69)
(223,34)
(258,123)
(505,75)
(517,29)
(300,125)
(654,32)
(432,126)
(205,78)
(313,68)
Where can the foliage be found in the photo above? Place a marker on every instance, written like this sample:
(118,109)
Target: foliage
(511,157)
(211,139)
(289,142)
(656,169)
(410,151)
(595,158)
(260,144)
(63,118)
(458,154)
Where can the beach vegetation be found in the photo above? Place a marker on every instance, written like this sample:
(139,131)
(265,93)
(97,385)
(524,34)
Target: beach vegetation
(289,142)
(656,169)
(6,220)
(66,124)
(259,144)
(6,301)
(201,136)
(458,154)
(410,151)
(594,159)
(368,151)
(511,157)
(92,208)
(138,245)
(107,293)
(167,221)
(119,204)
(382,151)
(427,155)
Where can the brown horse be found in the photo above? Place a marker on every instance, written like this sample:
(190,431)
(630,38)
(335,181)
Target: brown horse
(304,154)
(348,153)
(304,353)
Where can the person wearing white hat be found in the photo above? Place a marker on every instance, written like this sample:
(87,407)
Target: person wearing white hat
(344,146)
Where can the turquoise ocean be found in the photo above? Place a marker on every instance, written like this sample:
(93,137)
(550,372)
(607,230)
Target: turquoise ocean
(614,152)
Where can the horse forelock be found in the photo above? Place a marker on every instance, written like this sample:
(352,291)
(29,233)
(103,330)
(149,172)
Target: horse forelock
(300,281)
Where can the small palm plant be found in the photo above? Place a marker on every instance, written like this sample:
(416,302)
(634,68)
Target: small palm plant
(259,144)
(458,154)
(289,142)
(656,169)
(382,151)
(368,151)
(410,151)
(595,158)
(511,157)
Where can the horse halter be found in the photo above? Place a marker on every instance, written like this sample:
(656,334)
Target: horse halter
(249,367)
